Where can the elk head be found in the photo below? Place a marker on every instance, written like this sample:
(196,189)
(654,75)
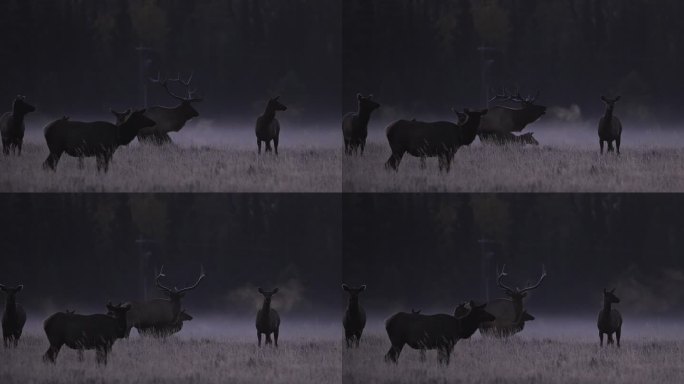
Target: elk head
(353,292)
(609,296)
(274,105)
(366,103)
(120,116)
(11,292)
(176,294)
(119,312)
(610,103)
(184,316)
(185,106)
(535,111)
(20,107)
(516,294)
(268,295)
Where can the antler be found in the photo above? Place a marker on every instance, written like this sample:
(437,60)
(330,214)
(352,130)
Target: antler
(165,84)
(202,275)
(499,280)
(516,97)
(541,278)
(158,284)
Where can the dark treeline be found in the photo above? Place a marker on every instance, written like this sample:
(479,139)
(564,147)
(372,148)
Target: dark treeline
(77,56)
(81,249)
(416,251)
(423,55)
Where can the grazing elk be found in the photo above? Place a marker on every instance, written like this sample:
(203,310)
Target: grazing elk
(267,319)
(354,320)
(441,139)
(165,330)
(169,119)
(14,317)
(510,312)
(610,127)
(609,319)
(267,126)
(12,125)
(81,332)
(440,332)
(500,122)
(355,125)
(159,313)
(97,139)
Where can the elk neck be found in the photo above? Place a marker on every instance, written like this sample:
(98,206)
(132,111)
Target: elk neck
(469,130)
(127,132)
(10,304)
(466,326)
(364,115)
(353,305)
(269,114)
(518,310)
(608,116)
(266,307)
(607,307)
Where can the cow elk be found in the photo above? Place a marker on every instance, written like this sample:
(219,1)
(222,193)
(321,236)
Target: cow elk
(14,317)
(12,125)
(510,312)
(355,125)
(267,126)
(610,127)
(354,320)
(267,319)
(501,121)
(609,319)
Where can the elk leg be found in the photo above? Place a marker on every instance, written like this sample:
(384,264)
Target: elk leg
(268,339)
(5,146)
(610,146)
(50,355)
(394,160)
(346,148)
(275,338)
(449,160)
(610,339)
(601,338)
(443,355)
(259,146)
(52,160)
(601,144)
(268,146)
(275,145)
(617,145)
(617,336)
(101,355)
(80,355)
(107,159)
(363,146)
(393,353)
(358,338)
(259,338)
(19,144)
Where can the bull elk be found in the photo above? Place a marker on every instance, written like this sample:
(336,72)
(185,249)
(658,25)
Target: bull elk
(81,332)
(12,125)
(267,127)
(355,125)
(510,312)
(610,127)
(500,122)
(354,320)
(609,319)
(428,332)
(438,139)
(14,317)
(267,319)
(165,330)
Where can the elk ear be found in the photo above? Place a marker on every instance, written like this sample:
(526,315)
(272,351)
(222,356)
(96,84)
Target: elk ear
(345,287)
(363,288)
(359,96)
(275,290)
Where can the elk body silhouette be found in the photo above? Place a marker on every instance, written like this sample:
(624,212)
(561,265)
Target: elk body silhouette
(99,139)
(501,138)
(501,121)
(441,139)
(14,317)
(81,332)
(427,332)
(267,126)
(355,125)
(267,319)
(12,125)
(510,312)
(354,320)
(164,330)
(610,127)
(609,319)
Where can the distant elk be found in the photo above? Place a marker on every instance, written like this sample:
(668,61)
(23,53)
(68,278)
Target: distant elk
(14,317)
(267,319)
(165,330)
(159,314)
(610,127)
(355,125)
(500,122)
(354,320)
(609,319)
(510,312)
(267,127)
(97,139)
(81,332)
(12,125)
(428,332)
(440,139)
(170,119)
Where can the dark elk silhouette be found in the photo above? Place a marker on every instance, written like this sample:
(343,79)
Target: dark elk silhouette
(12,125)
(354,320)
(355,125)
(609,319)
(441,139)
(97,139)
(81,332)
(159,314)
(500,122)
(164,330)
(610,127)
(427,332)
(267,127)
(14,317)
(170,119)
(267,319)
(510,312)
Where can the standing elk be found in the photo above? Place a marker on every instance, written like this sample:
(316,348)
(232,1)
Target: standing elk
(159,313)
(267,126)
(165,330)
(610,127)
(169,119)
(609,319)
(14,317)
(355,125)
(354,320)
(12,125)
(500,122)
(510,312)
(428,332)
(441,139)
(267,319)
(81,332)
(97,139)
